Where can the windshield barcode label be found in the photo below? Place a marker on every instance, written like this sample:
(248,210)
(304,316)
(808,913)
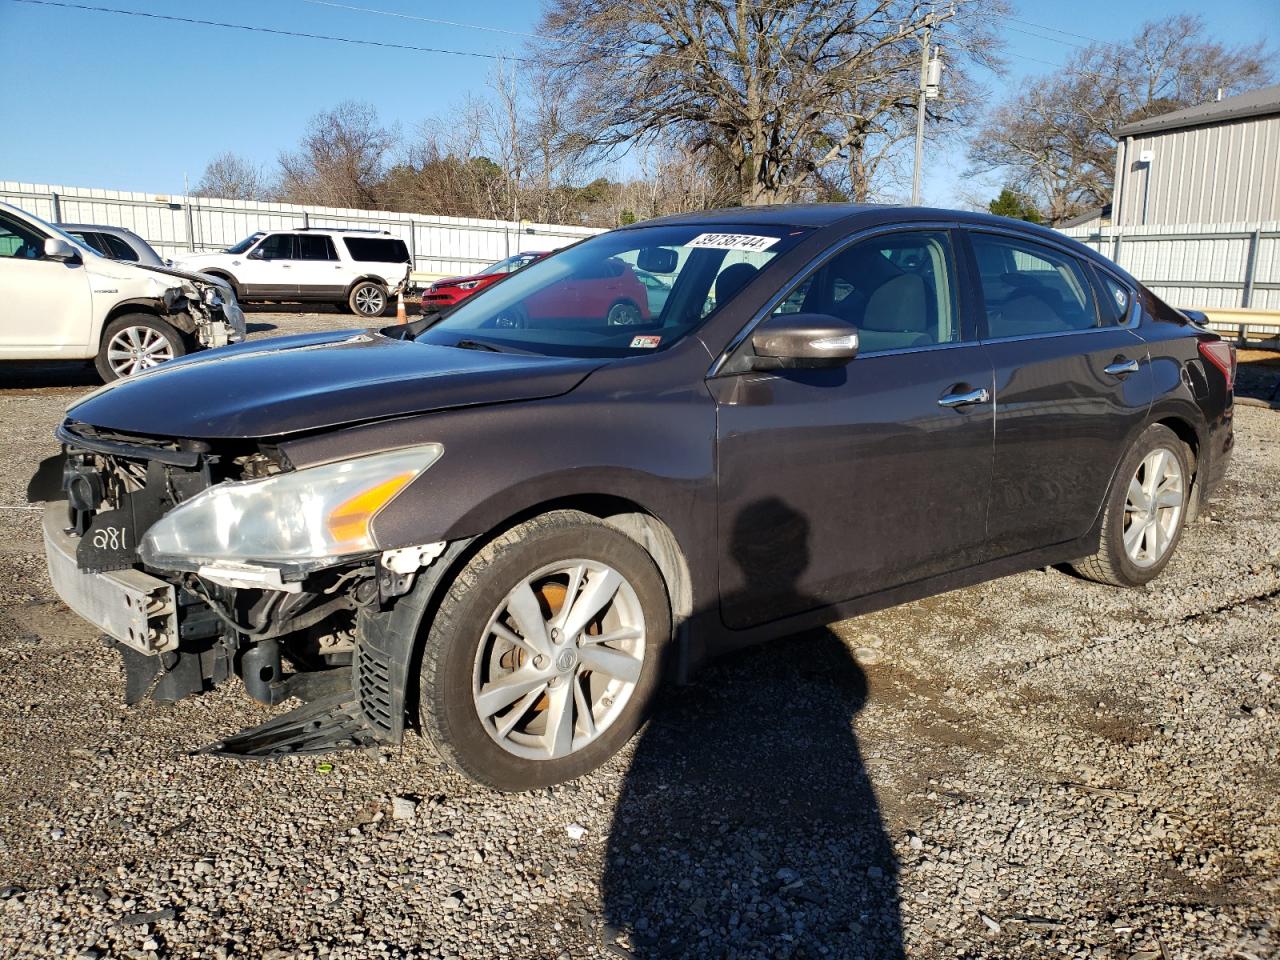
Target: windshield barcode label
(732,241)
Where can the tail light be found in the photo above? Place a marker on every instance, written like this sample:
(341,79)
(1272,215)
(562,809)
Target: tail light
(1222,355)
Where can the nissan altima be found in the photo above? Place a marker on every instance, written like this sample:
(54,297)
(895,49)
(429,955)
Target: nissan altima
(502,526)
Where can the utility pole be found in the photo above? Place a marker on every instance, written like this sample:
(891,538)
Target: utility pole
(930,76)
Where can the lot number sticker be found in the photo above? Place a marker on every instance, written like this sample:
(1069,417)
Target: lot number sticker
(645,343)
(732,241)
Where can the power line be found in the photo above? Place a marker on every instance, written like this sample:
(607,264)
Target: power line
(270,30)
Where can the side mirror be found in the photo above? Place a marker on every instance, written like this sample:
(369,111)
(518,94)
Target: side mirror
(657,260)
(798,340)
(55,248)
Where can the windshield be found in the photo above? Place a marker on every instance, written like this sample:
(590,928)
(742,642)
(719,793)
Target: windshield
(511,264)
(618,294)
(246,243)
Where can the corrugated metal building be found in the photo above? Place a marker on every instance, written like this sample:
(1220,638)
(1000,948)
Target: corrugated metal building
(1216,163)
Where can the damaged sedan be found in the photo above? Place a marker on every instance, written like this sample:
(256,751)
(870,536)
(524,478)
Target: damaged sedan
(504,525)
(60,299)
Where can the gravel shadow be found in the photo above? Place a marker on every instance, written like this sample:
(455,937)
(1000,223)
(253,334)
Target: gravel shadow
(747,824)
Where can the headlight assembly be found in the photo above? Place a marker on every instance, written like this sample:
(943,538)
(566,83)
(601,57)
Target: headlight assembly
(305,518)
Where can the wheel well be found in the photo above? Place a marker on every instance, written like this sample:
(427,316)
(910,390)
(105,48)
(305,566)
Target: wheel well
(1187,434)
(1191,440)
(644,528)
(359,280)
(122,309)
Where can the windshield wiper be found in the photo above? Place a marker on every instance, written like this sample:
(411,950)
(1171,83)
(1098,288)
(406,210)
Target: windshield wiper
(478,345)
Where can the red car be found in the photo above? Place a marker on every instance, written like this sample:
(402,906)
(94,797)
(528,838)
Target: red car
(445,293)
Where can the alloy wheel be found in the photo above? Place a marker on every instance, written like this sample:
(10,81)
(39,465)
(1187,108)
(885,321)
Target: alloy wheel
(624,315)
(370,301)
(137,348)
(1153,507)
(559,659)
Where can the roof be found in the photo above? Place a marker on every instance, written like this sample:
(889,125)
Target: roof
(776,214)
(99,227)
(1263,102)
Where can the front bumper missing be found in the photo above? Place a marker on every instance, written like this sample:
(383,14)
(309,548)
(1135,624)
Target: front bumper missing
(135,608)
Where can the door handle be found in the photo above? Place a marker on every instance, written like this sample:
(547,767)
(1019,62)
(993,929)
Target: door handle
(1121,367)
(964,399)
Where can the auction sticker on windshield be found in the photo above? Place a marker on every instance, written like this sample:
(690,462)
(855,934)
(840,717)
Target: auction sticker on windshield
(732,241)
(645,342)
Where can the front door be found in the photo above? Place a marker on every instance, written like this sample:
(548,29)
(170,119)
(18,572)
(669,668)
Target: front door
(1072,383)
(267,273)
(46,305)
(837,483)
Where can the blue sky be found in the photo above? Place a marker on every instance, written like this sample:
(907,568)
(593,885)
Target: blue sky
(103,100)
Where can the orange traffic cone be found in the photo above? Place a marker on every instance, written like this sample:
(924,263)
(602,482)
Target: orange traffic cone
(401,316)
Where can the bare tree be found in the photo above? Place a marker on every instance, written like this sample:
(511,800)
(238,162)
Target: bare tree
(1056,139)
(341,160)
(232,178)
(779,92)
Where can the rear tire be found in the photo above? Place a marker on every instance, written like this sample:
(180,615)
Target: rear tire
(136,342)
(1146,512)
(368,299)
(470,657)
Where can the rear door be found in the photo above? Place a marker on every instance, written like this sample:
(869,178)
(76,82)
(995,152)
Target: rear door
(837,483)
(46,306)
(1072,381)
(318,271)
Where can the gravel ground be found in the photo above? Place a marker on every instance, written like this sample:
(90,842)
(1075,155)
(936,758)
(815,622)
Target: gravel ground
(1036,767)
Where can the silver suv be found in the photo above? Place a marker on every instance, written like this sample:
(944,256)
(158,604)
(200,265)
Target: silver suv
(356,269)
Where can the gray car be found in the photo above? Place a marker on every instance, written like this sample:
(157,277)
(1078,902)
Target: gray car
(116,243)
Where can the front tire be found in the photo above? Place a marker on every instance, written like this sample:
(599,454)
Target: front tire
(136,342)
(1146,512)
(368,299)
(545,653)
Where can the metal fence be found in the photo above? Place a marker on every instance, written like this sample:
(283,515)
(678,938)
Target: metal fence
(1234,266)
(175,225)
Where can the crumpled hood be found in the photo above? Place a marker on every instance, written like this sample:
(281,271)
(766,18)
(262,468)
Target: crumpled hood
(312,381)
(181,274)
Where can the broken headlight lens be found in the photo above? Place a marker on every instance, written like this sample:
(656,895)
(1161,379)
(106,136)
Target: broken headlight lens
(305,516)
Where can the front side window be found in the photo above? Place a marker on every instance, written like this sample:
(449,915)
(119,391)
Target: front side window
(19,241)
(92,240)
(619,294)
(316,247)
(897,289)
(1030,289)
(278,246)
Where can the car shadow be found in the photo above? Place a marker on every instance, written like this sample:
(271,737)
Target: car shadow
(36,374)
(747,824)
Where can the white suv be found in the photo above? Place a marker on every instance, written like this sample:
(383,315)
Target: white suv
(62,300)
(357,269)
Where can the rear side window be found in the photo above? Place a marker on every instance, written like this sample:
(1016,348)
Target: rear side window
(316,247)
(117,249)
(92,240)
(897,289)
(1030,289)
(279,246)
(377,249)
(1114,299)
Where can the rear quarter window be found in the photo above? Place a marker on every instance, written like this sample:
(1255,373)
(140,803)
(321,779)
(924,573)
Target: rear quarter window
(376,249)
